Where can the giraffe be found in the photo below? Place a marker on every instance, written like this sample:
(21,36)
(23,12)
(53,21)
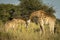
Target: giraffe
(13,24)
(44,18)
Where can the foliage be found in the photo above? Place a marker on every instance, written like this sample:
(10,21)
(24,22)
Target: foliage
(8,11)
(28,6)
(50,11)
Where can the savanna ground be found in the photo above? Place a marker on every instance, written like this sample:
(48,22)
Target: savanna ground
(33,32)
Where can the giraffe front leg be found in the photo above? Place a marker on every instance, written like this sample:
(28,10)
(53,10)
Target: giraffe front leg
(42,27)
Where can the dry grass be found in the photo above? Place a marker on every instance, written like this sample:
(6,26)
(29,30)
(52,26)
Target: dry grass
(33,32)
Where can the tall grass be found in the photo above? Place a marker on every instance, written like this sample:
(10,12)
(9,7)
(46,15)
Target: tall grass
(33,32)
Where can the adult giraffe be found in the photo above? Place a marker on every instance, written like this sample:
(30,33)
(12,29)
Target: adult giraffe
(44,18)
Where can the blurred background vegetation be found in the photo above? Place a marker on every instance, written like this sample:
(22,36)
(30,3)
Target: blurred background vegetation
(24,9)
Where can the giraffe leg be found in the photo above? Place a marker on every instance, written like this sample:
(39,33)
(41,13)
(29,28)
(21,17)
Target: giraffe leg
(51,28)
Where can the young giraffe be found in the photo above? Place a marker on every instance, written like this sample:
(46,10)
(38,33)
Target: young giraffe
(13,24)
(44,18)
